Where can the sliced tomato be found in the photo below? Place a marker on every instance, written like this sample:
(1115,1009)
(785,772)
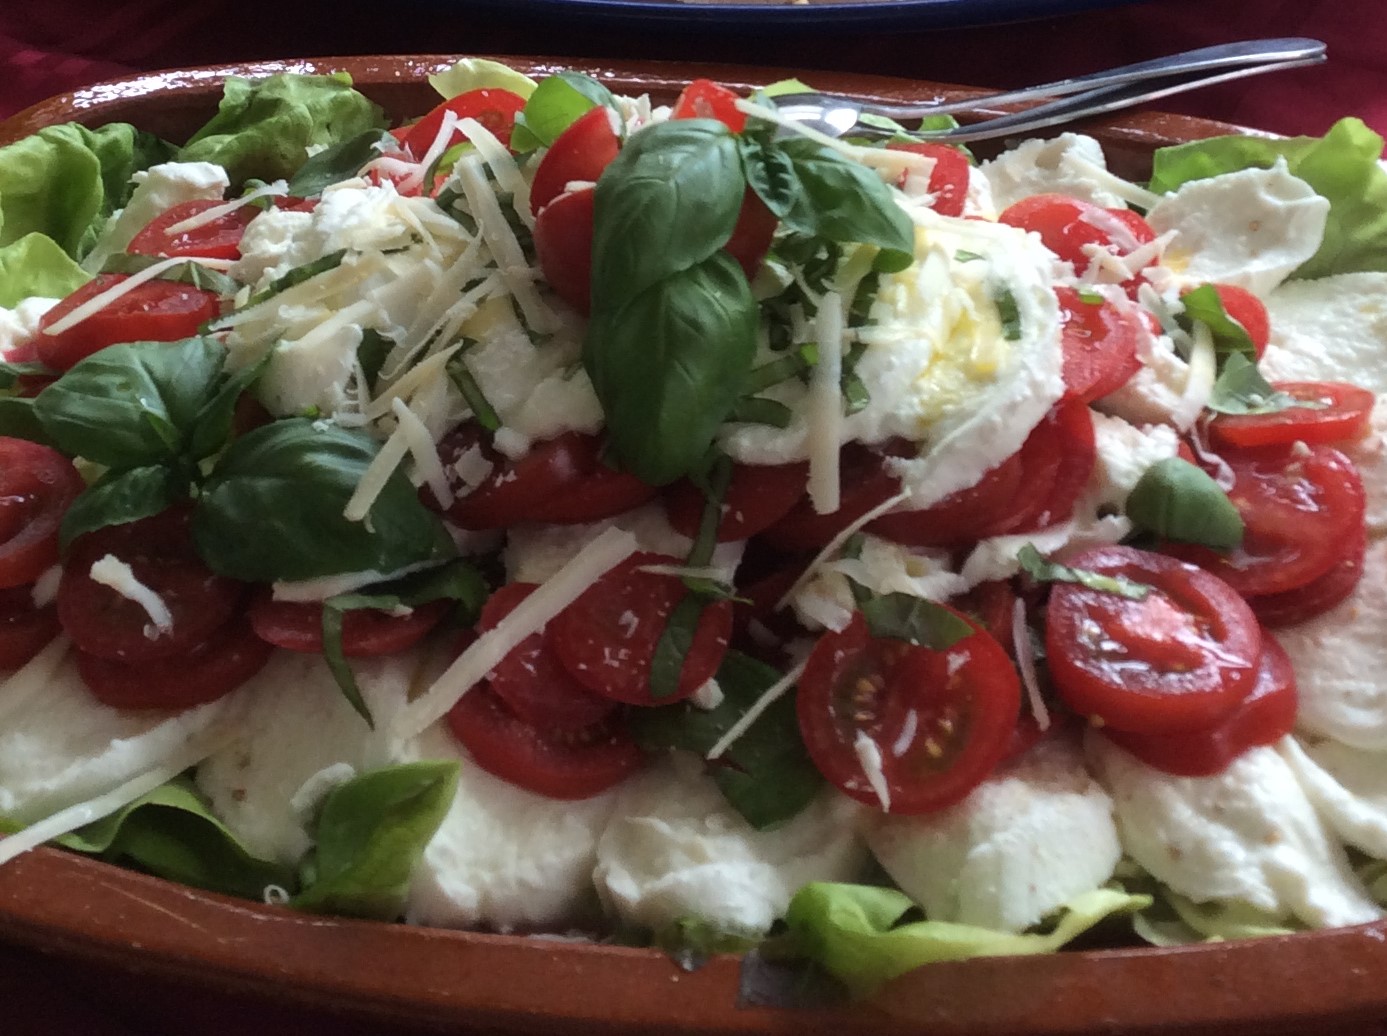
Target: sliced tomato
(1302,510)
(495,109)
(1266,715)
(1071,227)
(1249,311)
(939,720)
(948,180)
(751,234)
(563,246)
(1056,461)
(1333,411)
(705,99)
(298,626)
(1100,342)
(864,483)
(161,556)
(37,485)
(757,496)
(531,680)
(578,155)
(562,481)
(155,311)
(24,629)
(230,656)
(606,639)
(962,517)
(559,763)
(1317,596)
(219,239)
(1181,658)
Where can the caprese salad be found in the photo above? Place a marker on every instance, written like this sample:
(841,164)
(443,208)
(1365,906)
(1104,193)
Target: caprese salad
(566,512)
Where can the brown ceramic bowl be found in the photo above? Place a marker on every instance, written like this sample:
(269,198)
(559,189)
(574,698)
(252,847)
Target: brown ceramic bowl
(62,904)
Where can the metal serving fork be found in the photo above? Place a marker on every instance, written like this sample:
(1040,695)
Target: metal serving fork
(1072,99)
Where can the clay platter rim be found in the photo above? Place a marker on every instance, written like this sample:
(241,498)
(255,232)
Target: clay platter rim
(60,903)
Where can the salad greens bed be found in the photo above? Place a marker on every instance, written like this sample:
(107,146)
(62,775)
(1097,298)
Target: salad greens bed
(157,419)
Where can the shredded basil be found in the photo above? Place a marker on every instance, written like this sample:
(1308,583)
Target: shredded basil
(965,256)
(189,272)
(915,620)
(466,384)
(290,279)
(1008,311)
(1241,389)
(1043,570)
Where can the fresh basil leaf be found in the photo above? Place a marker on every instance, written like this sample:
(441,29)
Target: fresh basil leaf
(213,425)
(371,833)
(770,172)
(19,421)
(667,662)
(914,620)
(124,496)
(372,352)
(189,272)
(1204,305)
(1177,500)
(669,364)
(1043,570)
(557,102)
(766,774)
(965,256)
(760,410)
(336,163)
(133,404)
(272,508)
(847,202)
(1241,389)
(171,833)
(287,280)
(336,658)
(12,372)
(1008,312)
(467,385)
(665,204)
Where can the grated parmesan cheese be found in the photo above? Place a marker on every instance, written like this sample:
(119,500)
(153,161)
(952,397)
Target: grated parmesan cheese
(111,572)
(825,406)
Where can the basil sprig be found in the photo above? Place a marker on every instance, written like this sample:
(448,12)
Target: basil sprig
(339,162)
(1177,500)
(189,272)
(557,102)
(1241,389)
(1204,305)
(1043,570)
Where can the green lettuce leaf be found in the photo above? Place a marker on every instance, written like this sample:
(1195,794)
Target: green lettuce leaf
(263,128)
(855,932)
(37,265)
(480,74)
(1342,166)
(63,181)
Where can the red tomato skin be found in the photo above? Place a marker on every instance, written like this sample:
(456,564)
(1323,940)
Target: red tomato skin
(155,311)
(24,629)
(160,552)
(751,234)
(220,239)
(562,481)
(606,639)
(531,680)
(578,155)
(1066,225)
(1345,415)
(864,484)
(1181,659)
(1302,511)
(705,99)
(560,764)
(855,683)
(563,246)
(37,485)
(366,632)
(1249,311)
(493,108)
(1100,341)
(961,517)
(948,180)
(757,496)
(210,670)
(1316,597)
(1056,461)
(1265,716)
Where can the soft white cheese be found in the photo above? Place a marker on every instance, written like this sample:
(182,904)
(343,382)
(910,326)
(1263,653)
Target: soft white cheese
(996,557)
(157,189)
(1061,165)
(826,602)
(1331,329)
(20,324)
(1369,454)
(1023,843)
(1125,452)
(1248,834)
(1348,787)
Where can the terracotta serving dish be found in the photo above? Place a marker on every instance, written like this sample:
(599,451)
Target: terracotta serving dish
(63,904)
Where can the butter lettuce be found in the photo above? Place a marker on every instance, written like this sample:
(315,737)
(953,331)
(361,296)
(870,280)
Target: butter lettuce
(264,128)
(1342,167)
(480,74)
(35,265)
(858,933)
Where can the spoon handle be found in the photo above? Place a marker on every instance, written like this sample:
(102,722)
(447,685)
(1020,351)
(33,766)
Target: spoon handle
(1276,52)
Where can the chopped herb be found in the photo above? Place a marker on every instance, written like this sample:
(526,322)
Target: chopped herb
(760,410)
(914,620)
(1241,389)
(1090,297)
(1043,570)
(466,384)
(291,279)
(791,365)
(965,256)
(1008,312)
(189,272)
(1204,306)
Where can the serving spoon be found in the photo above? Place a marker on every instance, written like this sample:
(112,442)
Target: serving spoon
(1074,98)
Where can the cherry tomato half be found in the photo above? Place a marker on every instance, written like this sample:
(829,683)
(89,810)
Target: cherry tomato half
(939,720)
(578,155)
(757,496)
(531,680)
(493,108)
(948,180)
(298,626)
(1317,596)
(155,311)
(1266,715)
(965,516)
(1056,461)
(161,556)
(705,99)
(229,657)
(24,629)
(1248,310)
(563,246)
(1071,227)
(1099,340)
(1181,658)
(37,485)
(607,638)
(1336,412)
(864,483)
(559,763)
(219,239)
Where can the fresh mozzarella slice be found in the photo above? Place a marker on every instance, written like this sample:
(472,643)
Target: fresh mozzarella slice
(996,558)
(504,858)
(1331,329)
(1340,658)
(1370,456)
(1070,164)
(1022,844)
(675,849)
(1349,788)
(1248,834)
(1125,452)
